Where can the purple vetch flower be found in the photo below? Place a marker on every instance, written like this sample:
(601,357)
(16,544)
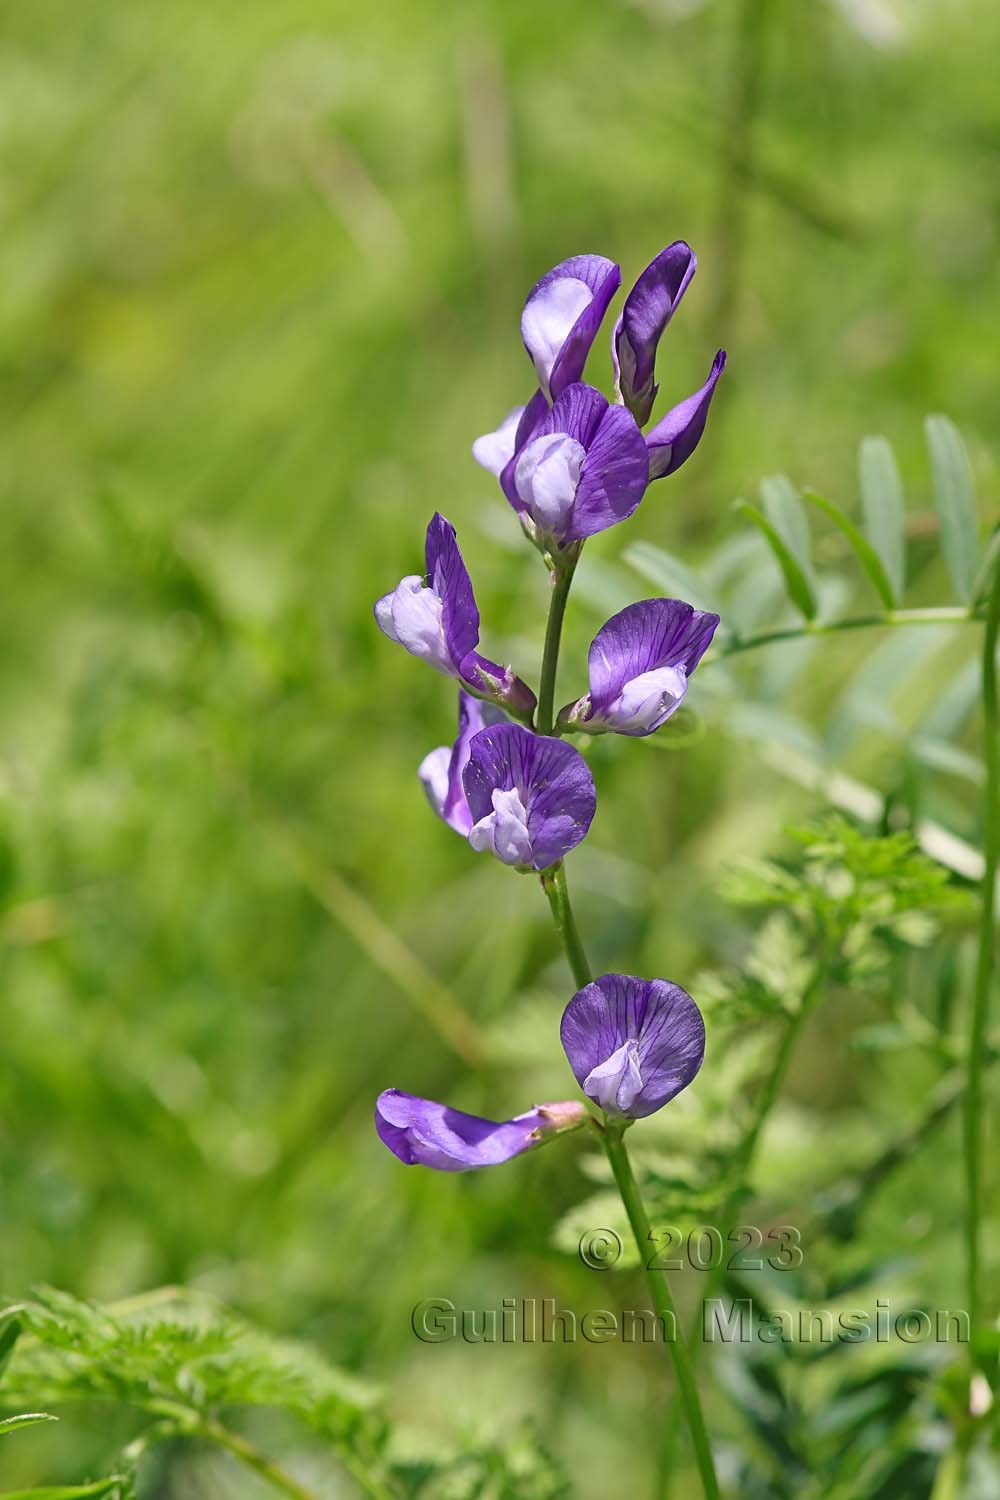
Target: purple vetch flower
(639,663)
(633,1044)
(584,468)
(561,317)
(531,798)
(423,1133)
(441,771)
(648,309)
(435,618)
(675,437)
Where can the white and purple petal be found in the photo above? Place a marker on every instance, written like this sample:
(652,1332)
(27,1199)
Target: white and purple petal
(633,1044)
(494,450)
(562,315)
(675,437)
(422,1132)
(531,797)
(648,309)
(413,615)
(639,664)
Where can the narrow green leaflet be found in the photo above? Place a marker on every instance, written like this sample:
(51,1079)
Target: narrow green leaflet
(883,508)
(25,1419)
(797,582)
(787,515)
(863,549)
(671,575)
(984,577)
(110,1487)
(10,1332)
(955,501)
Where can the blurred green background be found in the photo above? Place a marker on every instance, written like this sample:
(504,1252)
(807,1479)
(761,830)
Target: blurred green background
(261,269)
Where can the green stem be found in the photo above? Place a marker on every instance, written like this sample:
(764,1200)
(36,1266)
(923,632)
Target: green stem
(555,888)
(557,892)
(257,1461)
(278,1477)
(663,1302)
(945,615)
(766,1101)
(973,1122)
(768,1097)
(554,885)
(562,578)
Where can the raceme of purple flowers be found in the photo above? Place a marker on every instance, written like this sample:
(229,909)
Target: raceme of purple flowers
(571,464)
(633,1045)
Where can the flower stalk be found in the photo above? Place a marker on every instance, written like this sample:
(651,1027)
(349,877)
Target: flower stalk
(562,578)
(973,1117)
(555,887)
(613,1139)
(659,1287)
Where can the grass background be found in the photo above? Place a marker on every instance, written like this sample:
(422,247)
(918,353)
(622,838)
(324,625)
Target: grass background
(260,275)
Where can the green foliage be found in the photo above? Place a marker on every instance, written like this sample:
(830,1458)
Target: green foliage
(880,549)
(26,1419)
(518,1469)
(850,892)
(866,554)
(180,1358)
(955,500)
(184,1361)
(175,1348)
(834,1419)
(884,508)
(116,1487)
(797,581)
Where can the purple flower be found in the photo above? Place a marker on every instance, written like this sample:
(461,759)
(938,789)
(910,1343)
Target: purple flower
(561,317)
(435,618)
(675,437)
(531,798)
(584,468)
(441,771)
(648,309)
(640,662)
(633,1044)
(423,1133)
